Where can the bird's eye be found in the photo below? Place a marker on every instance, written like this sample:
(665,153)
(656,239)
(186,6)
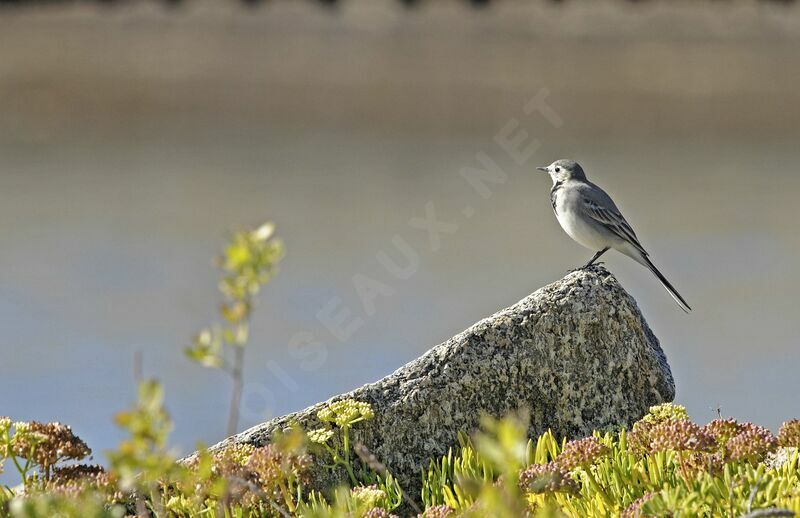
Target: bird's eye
(558,169)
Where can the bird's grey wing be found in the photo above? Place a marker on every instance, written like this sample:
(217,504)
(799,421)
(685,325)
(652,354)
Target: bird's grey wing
(598,206)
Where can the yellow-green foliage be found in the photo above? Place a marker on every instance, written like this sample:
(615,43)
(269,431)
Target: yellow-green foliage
(248,262)
(441,481)
(665,466)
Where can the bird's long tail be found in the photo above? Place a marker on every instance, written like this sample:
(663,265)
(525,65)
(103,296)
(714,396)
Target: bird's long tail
(664,282)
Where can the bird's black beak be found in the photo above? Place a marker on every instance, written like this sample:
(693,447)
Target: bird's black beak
(544,169)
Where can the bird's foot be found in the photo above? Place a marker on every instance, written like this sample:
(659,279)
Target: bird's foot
(585,267)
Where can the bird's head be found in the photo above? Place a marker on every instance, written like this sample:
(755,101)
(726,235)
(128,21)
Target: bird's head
(561,170)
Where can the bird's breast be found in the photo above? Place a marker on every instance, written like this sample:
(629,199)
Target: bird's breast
(575,223)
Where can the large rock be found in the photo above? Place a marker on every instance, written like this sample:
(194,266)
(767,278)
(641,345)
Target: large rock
(577,354)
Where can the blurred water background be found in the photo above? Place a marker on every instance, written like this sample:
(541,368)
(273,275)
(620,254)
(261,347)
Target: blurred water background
(134,138)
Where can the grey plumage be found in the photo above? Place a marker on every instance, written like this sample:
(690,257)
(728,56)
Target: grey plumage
(590,217)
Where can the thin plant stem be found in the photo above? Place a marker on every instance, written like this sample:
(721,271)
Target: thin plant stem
(287,497)
(346,439)
(22,472)
(346,444)
(236,391)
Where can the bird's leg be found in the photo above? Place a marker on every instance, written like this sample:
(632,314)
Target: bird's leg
(596,257)
(593,261)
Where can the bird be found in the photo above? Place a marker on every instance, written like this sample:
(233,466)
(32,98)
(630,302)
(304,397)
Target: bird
(591,218)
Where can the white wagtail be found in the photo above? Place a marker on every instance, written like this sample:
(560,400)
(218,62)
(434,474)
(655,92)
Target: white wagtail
(591,218)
